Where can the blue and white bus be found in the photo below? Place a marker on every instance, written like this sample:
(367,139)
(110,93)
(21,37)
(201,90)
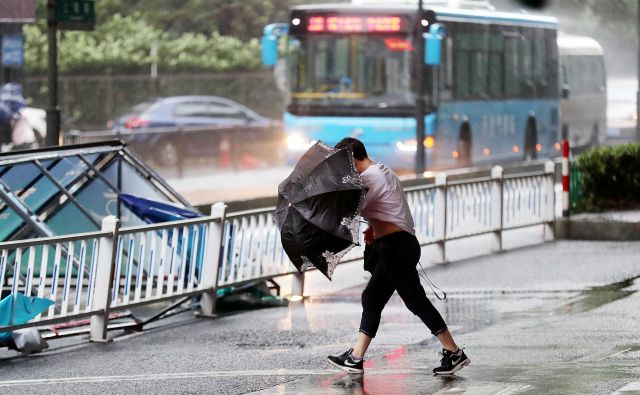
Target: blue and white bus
(490,81)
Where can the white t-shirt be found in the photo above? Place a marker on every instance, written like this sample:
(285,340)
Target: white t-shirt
(385,200)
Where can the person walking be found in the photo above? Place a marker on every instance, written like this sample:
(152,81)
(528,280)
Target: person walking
(393,255)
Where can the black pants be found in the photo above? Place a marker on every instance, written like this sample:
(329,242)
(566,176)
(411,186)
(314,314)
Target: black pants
(393,266)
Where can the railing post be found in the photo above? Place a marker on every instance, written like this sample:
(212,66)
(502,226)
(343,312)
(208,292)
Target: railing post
(550,215)
(211,261)
(103,280)
(566,209)
(440,214)
(497,173)
(297,286)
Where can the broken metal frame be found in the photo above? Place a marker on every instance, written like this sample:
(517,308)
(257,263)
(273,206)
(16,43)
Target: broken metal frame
(117,149)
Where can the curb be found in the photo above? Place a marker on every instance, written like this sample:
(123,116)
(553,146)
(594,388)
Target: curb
(572,229)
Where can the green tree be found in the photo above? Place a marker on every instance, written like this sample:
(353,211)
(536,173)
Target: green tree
(191,35)
(122,44)
(243,19)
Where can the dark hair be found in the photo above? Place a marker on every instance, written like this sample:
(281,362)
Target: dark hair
(359,152)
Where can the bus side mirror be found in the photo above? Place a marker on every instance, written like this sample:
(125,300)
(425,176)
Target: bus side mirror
(269,42)
(433,44)
(269,48)
(565,91)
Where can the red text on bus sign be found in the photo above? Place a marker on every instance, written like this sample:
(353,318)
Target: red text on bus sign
(354,24)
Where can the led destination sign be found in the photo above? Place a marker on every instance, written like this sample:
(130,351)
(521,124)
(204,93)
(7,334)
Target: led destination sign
(354,24)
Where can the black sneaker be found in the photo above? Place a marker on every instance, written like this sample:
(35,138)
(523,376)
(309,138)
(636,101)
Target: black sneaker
(346,363)
(451,363)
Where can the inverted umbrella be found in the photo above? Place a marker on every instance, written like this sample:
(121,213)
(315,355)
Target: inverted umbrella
(318,210)
(19,309)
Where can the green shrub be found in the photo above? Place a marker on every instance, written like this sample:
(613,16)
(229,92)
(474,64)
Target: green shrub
(610,177)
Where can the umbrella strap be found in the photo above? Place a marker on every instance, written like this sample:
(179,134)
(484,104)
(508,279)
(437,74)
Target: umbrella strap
(431,284)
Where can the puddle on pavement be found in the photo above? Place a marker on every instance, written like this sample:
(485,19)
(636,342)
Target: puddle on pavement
(595,297)
(475,310)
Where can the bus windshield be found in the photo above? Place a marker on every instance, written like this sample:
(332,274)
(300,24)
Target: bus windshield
(350,72)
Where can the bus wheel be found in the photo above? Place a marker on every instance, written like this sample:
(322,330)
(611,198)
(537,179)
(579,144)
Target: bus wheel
(464,145)
(530,140)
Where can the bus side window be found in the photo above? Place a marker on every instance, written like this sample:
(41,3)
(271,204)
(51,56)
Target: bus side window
(540,64)
(462,64)
(601,78)
(496,43)
(526,64)
(585,74)
(471,62)
(511,63)
(446,70)
(479,62)
(552,63)
(563,74)
(596,71)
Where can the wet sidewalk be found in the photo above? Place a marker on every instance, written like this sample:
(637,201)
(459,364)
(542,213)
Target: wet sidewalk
(607,225)
(555,342)
(560,318)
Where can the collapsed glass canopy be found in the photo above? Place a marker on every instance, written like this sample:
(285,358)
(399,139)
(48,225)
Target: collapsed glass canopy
(70,189)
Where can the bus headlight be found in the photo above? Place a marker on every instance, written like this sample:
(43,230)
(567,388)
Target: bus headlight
(412,146)
(296,142)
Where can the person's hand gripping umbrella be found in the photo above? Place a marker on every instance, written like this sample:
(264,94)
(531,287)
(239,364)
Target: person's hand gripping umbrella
(318,210)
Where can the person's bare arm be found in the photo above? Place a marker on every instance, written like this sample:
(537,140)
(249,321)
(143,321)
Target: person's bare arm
(368,235)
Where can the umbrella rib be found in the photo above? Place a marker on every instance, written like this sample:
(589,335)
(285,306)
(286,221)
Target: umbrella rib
(310,221)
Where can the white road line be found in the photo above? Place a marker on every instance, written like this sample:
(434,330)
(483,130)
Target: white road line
(613,355)
(164,376)
(513,389)
(191,375)
(633,387)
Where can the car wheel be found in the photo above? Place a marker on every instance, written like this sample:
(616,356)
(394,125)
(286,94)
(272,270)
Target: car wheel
(167,153)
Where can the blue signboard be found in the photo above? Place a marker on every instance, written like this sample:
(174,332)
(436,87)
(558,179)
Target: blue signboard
(12,53)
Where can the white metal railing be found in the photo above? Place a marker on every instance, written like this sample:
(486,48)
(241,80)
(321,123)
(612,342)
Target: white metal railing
(93,274)
(442,211)
(61,269)
(157,262)
(251,248)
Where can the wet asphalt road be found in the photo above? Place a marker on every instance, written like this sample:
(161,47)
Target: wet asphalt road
(560,317)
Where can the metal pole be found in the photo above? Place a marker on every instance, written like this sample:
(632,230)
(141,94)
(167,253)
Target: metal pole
(53,112)
(566,202)
(420,102)
(638,75)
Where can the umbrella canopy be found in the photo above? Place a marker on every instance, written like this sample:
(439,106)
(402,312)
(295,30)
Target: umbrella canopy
(11,101)
(152,212)
(19,309)
(318,210)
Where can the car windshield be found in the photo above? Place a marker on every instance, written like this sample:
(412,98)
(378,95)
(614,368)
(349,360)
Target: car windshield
(142,107)
(355,71)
